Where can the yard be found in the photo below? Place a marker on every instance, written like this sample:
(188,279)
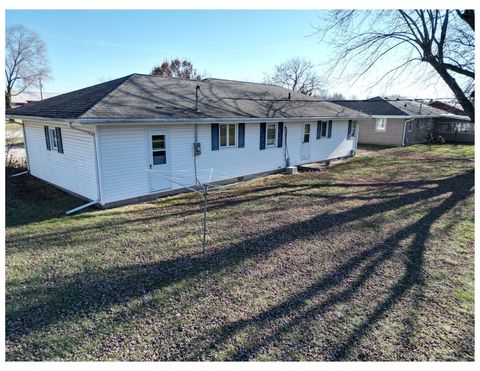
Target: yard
(370,260)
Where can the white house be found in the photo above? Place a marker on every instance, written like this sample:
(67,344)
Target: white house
(141,135)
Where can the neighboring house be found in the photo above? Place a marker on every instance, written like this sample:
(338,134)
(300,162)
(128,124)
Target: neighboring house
(453,130)
(398,122)
(136,136)
(20,99)
(447,107)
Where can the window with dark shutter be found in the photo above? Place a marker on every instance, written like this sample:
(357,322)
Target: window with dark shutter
(263,132)
(58,134)
(215,137)
(319,129)
(329,135)
(241,135)
(280,135)
(47,137)
(324,128)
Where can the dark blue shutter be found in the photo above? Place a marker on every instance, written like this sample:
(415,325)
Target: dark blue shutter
(329,129)
(241,135)
(263,134)
(58,132)
(319,129)
(47,137)
(280,135)
(215,137)
(349,129)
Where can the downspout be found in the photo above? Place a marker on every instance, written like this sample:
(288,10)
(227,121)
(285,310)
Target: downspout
(26,146)
(287,156)
(97,171)
(405,130)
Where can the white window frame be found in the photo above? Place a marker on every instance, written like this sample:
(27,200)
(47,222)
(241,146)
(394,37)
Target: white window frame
(159,149)
(381,124)
(353,131)
(53,139)
(409,126)
(275,137)
(228,136)
(309,133)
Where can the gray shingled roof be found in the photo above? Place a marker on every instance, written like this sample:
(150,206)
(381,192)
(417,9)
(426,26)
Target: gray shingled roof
(152,97)
(378,106)
(373,106)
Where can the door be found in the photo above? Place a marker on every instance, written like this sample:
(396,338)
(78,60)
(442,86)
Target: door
(159,158)
(305,147)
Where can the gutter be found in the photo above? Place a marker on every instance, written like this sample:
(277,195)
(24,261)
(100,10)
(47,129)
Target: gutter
(207,120)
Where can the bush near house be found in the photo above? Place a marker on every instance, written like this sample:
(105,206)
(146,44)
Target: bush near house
(370,260)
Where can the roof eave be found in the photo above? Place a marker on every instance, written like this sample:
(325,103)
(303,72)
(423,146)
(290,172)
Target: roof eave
(208,120)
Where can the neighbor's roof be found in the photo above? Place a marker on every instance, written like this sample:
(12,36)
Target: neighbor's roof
(138,97)
(373,106)
(30,96)
(379,106)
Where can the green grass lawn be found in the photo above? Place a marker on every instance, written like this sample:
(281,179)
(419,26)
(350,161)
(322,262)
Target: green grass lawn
(370,260)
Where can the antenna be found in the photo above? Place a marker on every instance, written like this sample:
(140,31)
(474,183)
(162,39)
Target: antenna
(197,88)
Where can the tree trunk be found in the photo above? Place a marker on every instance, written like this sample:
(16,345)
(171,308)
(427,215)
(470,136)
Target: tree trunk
(466,104)
(8,99)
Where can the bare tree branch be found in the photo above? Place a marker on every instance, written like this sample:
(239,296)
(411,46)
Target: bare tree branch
(25,61)
(298,75)
(443,39)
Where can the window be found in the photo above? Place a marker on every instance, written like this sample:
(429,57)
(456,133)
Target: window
(324,129)
(53,139)
(409,127)
(354,129)
(227,135)
(271,134)
(381,124)
(159,150)
(306,133)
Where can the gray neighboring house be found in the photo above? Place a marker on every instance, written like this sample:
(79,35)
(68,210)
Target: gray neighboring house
(398,122)
(141,136)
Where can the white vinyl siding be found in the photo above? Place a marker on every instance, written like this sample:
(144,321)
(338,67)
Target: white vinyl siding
(124,155)
(73,170)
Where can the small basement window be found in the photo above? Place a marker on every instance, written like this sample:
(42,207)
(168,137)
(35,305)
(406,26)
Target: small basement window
(271,135)
(381,124)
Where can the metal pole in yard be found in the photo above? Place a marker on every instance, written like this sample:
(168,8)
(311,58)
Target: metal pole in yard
(205,204)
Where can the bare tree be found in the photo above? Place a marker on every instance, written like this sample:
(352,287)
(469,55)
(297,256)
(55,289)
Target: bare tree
(441,39)
(182,69)
(298,75)
(26,61)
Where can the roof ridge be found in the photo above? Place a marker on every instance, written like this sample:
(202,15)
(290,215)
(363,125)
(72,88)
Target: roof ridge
(123,80)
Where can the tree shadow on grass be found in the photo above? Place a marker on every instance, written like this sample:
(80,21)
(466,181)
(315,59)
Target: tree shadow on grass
(460,189)
(230,198)
(92,291)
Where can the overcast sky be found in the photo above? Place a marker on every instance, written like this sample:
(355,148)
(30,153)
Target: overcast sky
(88,47)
